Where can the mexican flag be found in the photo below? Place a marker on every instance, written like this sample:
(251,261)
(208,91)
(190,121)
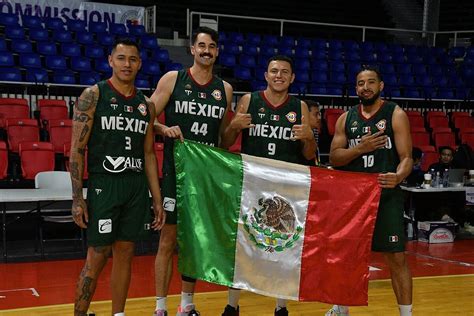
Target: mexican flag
(274,228)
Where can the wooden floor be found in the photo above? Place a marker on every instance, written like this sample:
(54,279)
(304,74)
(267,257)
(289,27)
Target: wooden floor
(443,285)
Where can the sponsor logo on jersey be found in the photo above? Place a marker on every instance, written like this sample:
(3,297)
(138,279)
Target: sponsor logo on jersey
(113,103)
(147,226)
(291,117)
(188,86)
(261,115)
(128,108)
(98,191)
(217,94)
(188,92)
(105,226)
(393,238)
(274,117)
(202,95)
(354,123)
(353,129)
(142,109)
(120,164)
(261,110)
(169,204)
(381,125)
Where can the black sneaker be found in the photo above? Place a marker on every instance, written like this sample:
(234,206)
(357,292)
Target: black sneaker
(230,311)
(281,312)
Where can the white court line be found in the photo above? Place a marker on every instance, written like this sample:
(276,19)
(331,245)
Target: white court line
(461,263)
(374,268)
(32,289)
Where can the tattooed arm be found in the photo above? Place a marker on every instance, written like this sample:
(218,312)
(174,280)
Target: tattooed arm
(81,129)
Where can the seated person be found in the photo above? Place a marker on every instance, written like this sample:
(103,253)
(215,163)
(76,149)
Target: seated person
(446,154)
(415,178)
(314,122)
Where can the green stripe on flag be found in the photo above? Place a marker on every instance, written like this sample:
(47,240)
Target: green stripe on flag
(208,187)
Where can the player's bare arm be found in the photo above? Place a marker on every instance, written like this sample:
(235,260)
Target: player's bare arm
(229,93)
(403,144)
(304,133)
(160,99)
(82,120)
(151,170)
(339,155)
(241,120)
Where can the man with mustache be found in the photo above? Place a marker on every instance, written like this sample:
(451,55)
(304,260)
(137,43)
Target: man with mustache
(374,137)
(195,103)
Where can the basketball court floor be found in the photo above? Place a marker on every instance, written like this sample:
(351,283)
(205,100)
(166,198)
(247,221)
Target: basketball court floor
(443,285)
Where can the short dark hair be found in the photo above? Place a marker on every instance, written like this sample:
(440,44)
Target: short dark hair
(311,104)
(206,30)
(371,68)
(126,42)
(441,148)
(281,58)
(416,153)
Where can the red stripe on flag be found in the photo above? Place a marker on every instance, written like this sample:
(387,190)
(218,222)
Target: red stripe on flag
(338,235)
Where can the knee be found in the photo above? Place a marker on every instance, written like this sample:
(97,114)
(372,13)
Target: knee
(396,260)
(167,242)
(124,249)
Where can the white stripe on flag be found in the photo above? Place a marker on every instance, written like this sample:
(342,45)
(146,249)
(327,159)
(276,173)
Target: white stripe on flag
(266,270)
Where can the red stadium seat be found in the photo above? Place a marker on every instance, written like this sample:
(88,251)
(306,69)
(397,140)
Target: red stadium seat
(444,139)
(468,138)
(331,120)
(35,157)
(332,111)
(52,110)
(429,158)
(67,154)
(416,121)
(413,113)
(13,108)
(431,114)
(420,139)
(417,129)
(438,121)
(21,130)
(463,122)
(3,160)
(455,114)
(159,158)
(60,132)
(427,148)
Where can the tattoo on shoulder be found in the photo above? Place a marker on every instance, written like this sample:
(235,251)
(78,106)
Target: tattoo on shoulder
(87,100)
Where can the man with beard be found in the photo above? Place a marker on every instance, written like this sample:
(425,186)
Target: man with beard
(195,104)
(374,137)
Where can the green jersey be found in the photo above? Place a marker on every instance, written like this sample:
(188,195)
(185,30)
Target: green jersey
(271,135)
(381,160)
(197,109)
(118,132)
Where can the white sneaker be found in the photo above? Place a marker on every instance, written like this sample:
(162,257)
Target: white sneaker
(188,310)
(336,311)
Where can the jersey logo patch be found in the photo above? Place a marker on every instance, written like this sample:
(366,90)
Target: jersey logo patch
(202,95)
(142,109)
(113,103)
(217,94)
(291,117)
(188,92)
(365,129)
(393,238)
(261,115)
(105,226)
(274,117)
(128,108)
(98,191)
(169,204)
(381,125)
(119,164)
